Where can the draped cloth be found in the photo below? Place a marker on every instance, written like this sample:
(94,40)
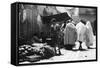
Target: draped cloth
(90,33)
(82,32)
(70,34)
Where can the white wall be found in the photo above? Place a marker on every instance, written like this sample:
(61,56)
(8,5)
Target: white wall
(5,34)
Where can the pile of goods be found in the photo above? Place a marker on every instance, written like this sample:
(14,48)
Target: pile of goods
(35,52)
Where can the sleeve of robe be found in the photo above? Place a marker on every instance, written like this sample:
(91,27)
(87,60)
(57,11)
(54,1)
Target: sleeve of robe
(66,35)
(76,34)
(90,32)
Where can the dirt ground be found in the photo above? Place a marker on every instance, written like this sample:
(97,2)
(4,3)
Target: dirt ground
(70,55)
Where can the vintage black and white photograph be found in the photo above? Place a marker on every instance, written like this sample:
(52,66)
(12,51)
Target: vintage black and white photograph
(50,33)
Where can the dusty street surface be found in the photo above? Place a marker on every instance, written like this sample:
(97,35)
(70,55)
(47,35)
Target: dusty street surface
(69,55)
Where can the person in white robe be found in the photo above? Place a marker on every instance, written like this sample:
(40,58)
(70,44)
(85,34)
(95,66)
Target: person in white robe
(82,37)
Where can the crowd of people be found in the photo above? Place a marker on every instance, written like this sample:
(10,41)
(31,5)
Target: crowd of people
(80,34)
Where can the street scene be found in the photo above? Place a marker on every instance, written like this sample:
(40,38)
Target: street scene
(50,33)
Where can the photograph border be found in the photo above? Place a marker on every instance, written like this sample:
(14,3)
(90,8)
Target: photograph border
(48,4)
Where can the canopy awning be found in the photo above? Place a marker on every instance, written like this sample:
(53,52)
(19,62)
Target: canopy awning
(59,18)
